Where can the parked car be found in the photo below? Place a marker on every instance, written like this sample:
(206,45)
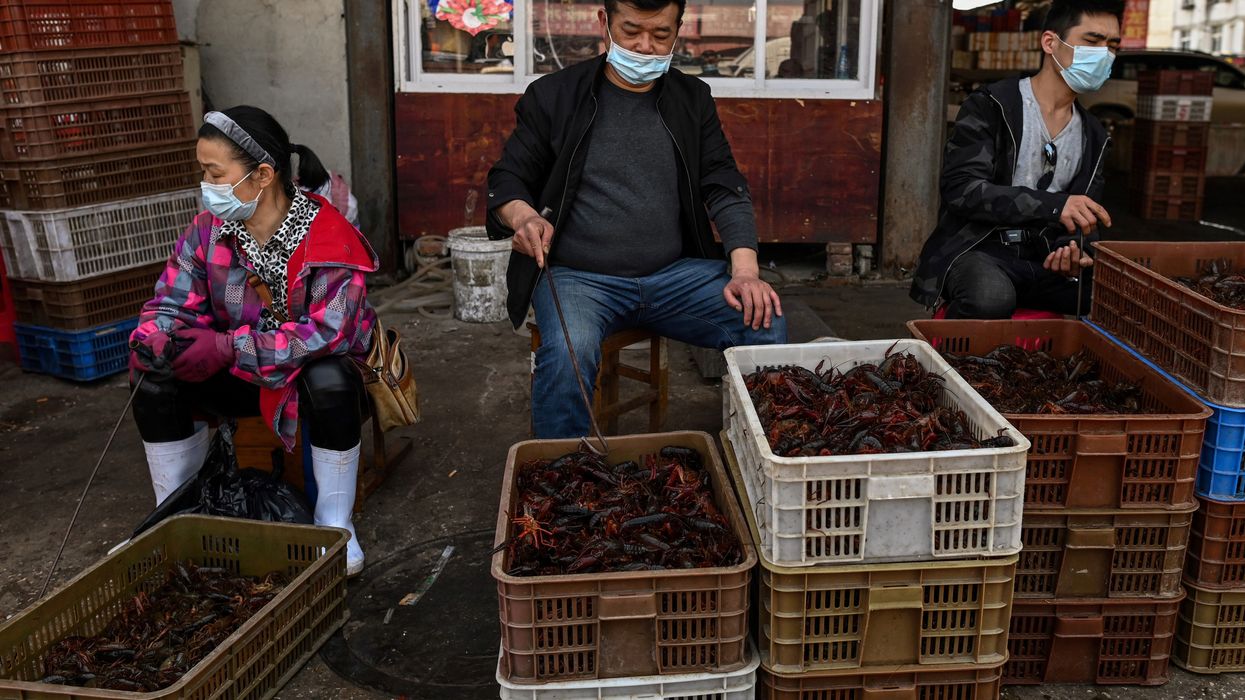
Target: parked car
(1117,101)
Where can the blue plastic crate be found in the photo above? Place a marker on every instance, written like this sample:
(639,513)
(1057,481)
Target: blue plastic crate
(83,355)
(1220,471)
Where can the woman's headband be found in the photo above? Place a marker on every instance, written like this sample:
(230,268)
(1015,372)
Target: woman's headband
(238,135)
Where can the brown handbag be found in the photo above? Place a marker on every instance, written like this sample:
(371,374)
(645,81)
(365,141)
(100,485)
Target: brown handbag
(386,373)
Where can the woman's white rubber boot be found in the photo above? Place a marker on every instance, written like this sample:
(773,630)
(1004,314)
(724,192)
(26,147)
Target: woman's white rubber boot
(174,463)
(336,473)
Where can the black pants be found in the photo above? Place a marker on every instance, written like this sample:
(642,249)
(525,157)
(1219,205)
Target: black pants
(330,393)
(992,280)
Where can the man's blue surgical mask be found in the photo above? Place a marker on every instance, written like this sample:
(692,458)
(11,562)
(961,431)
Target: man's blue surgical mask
(224,204)
(1090,69)
(637,68)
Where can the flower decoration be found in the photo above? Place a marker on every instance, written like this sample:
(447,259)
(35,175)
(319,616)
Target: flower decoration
(474,16)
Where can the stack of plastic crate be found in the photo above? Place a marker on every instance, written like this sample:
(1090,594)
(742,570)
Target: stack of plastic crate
(886,575)
(1170,141)
(97,164)
(1108,504)
(1201,344)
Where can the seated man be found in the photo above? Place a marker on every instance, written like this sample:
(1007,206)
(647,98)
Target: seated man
(626,161)
(1022,178)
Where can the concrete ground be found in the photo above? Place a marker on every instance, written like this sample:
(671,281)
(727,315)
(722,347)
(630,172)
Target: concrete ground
(474,386)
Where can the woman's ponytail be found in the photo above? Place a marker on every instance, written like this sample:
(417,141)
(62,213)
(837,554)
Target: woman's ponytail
(311,172)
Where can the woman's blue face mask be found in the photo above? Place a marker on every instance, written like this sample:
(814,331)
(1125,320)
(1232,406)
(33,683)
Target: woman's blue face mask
(224,204)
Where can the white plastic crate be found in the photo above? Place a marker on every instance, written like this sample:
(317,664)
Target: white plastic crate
(1174,108)
(66,245)
(914,506)
(735,685)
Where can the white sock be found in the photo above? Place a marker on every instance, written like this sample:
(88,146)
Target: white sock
(336,474)
(174,463)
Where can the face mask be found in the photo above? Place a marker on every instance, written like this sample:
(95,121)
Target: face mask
(637,68)
(1091,66)
(224,204)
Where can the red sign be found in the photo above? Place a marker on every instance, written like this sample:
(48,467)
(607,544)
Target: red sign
(1136,24)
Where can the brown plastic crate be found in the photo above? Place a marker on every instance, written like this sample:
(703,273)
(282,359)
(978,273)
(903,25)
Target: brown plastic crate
(253,662)
(1201,343)
(1173,160)
(1107,642)
(869,617)
(1216,558)
(76,182)
(86,303)
(1102,554)
(1176,82)
(42,132)
(44,77)
(957,683)
(1177,134)
(617,624)
(52,25)
(1210,632)
(1155,183)
(1167,208)
(1093,461)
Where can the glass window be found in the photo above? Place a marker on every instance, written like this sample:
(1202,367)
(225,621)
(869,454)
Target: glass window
(466,36)
(813,39)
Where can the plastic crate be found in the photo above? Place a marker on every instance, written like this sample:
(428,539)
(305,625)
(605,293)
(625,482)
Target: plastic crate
(253,662)
(1173,134)
(1160,208)
(82,356)
(962,683)
(734,685)
(8,316)
(1210,632)
(1200,342)
(1102,554)
(1176,185)
(1174,108)
(1216,558)
(1176,82)
(623,624)
(43,77)
(1107,642)
(42,132)
(49,25)
(91,302)
(67,245)
(871,617)
(76,182)
(914,506)
(1093,461)
(1172,160)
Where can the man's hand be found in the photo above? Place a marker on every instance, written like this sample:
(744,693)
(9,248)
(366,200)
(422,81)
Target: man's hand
(1081,212)
(532,232)
(1068,260)
(748,293)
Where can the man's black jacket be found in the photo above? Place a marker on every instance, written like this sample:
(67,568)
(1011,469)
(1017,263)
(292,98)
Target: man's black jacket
(978,197)
(543,161)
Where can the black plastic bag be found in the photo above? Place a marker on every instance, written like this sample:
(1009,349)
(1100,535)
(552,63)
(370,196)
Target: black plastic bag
(220,488)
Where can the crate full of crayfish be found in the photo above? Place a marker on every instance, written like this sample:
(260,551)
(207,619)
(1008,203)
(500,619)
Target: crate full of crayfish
(1107,431)
(196,607)
(871,452)
(880,618)
(1182,306)
(636,563)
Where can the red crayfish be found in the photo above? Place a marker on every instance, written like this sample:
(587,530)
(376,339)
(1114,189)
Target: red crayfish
(1218,283)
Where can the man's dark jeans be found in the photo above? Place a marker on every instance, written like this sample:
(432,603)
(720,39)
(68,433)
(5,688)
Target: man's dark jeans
(992,280)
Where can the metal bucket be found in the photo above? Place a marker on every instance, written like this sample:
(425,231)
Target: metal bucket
(479,275)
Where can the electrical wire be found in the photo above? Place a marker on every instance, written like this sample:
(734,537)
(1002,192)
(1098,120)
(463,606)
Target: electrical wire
(428,291)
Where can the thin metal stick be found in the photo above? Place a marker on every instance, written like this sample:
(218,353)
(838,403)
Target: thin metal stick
(82,498)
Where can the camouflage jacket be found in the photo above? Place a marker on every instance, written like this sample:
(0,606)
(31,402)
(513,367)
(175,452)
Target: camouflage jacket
(976,186)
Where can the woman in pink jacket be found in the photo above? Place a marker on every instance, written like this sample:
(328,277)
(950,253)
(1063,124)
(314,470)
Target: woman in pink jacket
(208,343)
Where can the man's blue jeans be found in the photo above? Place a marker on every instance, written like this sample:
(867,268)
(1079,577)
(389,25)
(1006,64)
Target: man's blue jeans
(683,302)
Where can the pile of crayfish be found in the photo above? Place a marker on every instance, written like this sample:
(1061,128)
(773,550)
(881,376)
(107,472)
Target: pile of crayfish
(159,636)
(1219,284)
(1016,380)
(895,406)
(579,514)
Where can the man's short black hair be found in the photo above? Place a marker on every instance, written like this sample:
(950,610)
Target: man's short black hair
(1063,15)
(611,6)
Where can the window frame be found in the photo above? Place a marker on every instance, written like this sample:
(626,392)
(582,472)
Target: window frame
(410,77)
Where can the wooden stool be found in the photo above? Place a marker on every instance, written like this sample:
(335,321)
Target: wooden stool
(258,448)
(605,399)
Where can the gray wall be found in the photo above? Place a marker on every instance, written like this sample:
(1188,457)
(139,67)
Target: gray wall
(286,56)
